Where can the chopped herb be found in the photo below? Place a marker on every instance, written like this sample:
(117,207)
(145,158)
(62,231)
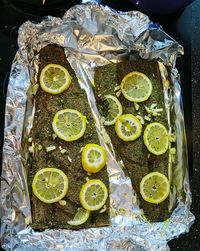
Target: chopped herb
(147,109)
(153,106)
(35,89)
(50,148)
(137,106)
(158,109)
(102,120)
(70,160)
(117,88)
(103,209)
(172,137)
(118,93)
(31,149)
(54,136)
(62,202)
(153,110)
(30,140)
(121,164)
(81,150)
(121,211)
(63,151)
(39,147)
(147,118)
(141,119)
(172,150)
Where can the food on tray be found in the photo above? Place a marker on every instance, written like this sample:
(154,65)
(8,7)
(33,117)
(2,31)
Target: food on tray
(140,134)
(94,158)
(63,126)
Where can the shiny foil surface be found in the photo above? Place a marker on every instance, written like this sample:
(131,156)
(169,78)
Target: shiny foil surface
(92,36)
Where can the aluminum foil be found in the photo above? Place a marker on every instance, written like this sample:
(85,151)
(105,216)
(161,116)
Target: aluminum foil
(91,35)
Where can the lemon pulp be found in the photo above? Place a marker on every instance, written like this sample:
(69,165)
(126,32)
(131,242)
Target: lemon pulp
(154,187)
(93,195)
(50,185)
(136,86)
(128,127)
(69,124)
(54,79)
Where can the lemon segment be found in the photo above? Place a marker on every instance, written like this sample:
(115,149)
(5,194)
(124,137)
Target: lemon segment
(80,217)
(54,79)
(128,127)
(154,187)
(156,138)
(50,185)
(93,195)
(69,124)
(136,87)
(114,110)
(94,158)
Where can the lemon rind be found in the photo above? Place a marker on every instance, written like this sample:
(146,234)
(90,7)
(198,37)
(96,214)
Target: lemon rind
(91,168)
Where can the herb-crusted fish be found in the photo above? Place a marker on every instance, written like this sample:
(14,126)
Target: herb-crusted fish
(138,161)
(49,151)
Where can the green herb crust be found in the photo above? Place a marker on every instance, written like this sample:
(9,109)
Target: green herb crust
(46,105)
(137,159)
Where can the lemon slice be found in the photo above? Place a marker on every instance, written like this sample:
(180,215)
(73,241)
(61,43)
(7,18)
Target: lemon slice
(93,195)
(93,158)
(69,124)
(54,79)
(80,217)
(154,187)
(114,110)
(128,127)
(50,185)
(136,86)
(156,138)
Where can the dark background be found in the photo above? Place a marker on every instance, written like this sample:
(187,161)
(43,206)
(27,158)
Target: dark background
(183,26)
